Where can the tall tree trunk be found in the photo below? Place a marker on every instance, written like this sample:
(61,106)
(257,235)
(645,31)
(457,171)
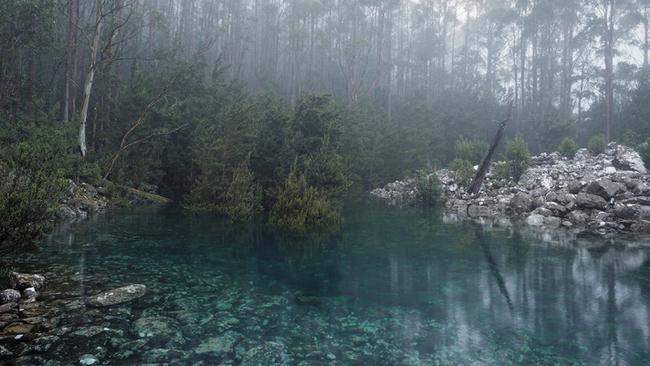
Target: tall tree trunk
(609,67)
(71,51)
(90,78)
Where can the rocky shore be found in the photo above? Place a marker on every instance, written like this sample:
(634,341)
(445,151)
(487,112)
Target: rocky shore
(608,193)
(84,200)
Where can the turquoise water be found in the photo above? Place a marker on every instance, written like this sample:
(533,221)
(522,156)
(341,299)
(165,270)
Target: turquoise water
(394,287)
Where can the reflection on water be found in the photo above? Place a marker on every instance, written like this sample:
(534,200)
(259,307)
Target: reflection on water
(395,287)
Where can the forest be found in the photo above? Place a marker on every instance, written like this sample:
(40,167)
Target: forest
(282,108)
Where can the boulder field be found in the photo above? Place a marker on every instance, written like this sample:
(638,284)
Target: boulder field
(607,193)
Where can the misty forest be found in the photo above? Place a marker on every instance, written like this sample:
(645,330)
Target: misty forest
(324,182)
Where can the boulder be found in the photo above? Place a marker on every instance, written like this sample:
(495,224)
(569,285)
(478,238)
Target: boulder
(586,200)
(627,212)
(575,186)
(535,220)
(577,217)
(556,208)
(8,296)
(626,158)
(552,222)
(116,296)
(267,354)
(479,211)
(21,281)
(520,203)
(605,188)
(643,226)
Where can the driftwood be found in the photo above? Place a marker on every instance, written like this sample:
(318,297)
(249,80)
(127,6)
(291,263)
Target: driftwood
(487,159)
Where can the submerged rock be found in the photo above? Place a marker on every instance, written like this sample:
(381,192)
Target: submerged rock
(21,281)
(154,326)
(30,294)
(117,296)
(9,295)
(88,360)
(219,345)
(267,354)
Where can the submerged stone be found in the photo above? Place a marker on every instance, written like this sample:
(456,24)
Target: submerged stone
(21,281)
(267,354)
(9,296)
(88,360)
(154,326)
(219,345)
(117,296)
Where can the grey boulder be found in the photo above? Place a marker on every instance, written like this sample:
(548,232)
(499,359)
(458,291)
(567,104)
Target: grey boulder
(605,188)
(586,200)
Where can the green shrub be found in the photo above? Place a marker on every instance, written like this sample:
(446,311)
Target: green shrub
(243,199)
(462,171)
(428,188)
(517,157)
(644,151)
(301,207)
(471,150)
(597,144)
(500,170)
(34,162)
(568,148)
(28,199)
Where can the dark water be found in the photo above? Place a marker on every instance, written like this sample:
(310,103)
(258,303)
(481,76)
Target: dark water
(395,287)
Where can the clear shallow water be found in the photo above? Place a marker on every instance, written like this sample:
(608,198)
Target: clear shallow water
(395,287)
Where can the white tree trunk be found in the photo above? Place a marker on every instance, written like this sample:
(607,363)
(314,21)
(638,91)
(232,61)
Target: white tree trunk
(89,80)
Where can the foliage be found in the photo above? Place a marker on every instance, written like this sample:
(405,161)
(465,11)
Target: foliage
(243,197)
(500,170)
(517,157)
(462,171)
(301,207)
(644,151)
(34,160)
(471,150)
(597,144)
(28,199)
(568,148)
(428,188)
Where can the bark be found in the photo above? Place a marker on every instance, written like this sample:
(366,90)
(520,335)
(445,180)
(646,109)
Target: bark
(89,79)
(475,187)
(609,68)
(71,52)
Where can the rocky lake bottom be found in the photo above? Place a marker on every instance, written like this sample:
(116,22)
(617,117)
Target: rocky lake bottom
(394,287)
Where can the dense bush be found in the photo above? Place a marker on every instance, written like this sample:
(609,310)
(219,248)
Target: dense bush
(428,188)
(34,162)
(301,207)
(462,171)
(28,199)
(597,144)
(568,148)
(644,151)
(243,197)
(517,157)
(471,150)
(500,170)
